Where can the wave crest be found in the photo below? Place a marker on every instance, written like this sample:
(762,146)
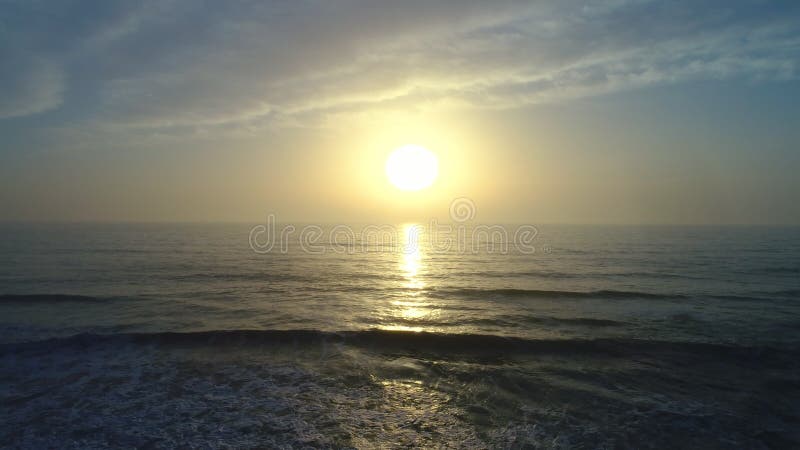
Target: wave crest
(418,343)
(537,293)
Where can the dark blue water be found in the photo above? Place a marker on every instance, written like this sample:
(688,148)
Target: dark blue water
(602,337)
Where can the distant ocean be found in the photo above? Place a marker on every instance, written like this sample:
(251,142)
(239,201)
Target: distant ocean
(601,337)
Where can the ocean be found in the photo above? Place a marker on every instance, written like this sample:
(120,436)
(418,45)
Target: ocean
(200,336)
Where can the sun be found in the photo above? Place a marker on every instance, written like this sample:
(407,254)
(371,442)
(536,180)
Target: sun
(412,168)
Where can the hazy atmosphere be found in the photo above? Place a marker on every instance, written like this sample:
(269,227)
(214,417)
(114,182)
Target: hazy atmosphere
(400,224)
(566,112)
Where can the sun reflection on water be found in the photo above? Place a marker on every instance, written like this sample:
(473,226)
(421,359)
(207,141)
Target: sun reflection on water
(411,262)
(411,308)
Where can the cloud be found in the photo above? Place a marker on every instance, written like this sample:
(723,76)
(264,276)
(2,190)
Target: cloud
(30,85)
(183,64)
(37,41)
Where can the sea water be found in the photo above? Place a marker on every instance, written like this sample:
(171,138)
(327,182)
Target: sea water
(590,336)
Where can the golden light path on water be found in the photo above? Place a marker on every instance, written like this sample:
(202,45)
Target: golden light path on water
(413,306)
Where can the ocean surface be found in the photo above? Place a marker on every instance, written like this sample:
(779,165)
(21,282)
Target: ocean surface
(140,335)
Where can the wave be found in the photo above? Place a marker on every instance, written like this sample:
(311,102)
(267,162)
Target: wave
(789,270)
(516,320)
(237,277)
(768,296)
(508,274)
(502,321)
(277,277)
(582,321)
(47,298)
(657,275)
(556,275)
(537,293)
(417,343)
(787,293)
(683,317)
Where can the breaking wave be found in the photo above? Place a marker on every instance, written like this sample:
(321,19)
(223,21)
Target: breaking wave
(401,341)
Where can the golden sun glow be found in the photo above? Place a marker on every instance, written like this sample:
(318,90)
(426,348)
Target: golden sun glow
(412,168)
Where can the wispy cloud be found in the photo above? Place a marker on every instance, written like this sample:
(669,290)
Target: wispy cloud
(183,64)
(30,84)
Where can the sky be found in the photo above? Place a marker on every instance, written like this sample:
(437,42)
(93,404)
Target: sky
(614,111)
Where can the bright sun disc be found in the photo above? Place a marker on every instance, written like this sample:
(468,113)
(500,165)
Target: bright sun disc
(412,168)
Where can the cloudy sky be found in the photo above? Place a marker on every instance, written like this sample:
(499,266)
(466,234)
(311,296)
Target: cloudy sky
(615,111)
